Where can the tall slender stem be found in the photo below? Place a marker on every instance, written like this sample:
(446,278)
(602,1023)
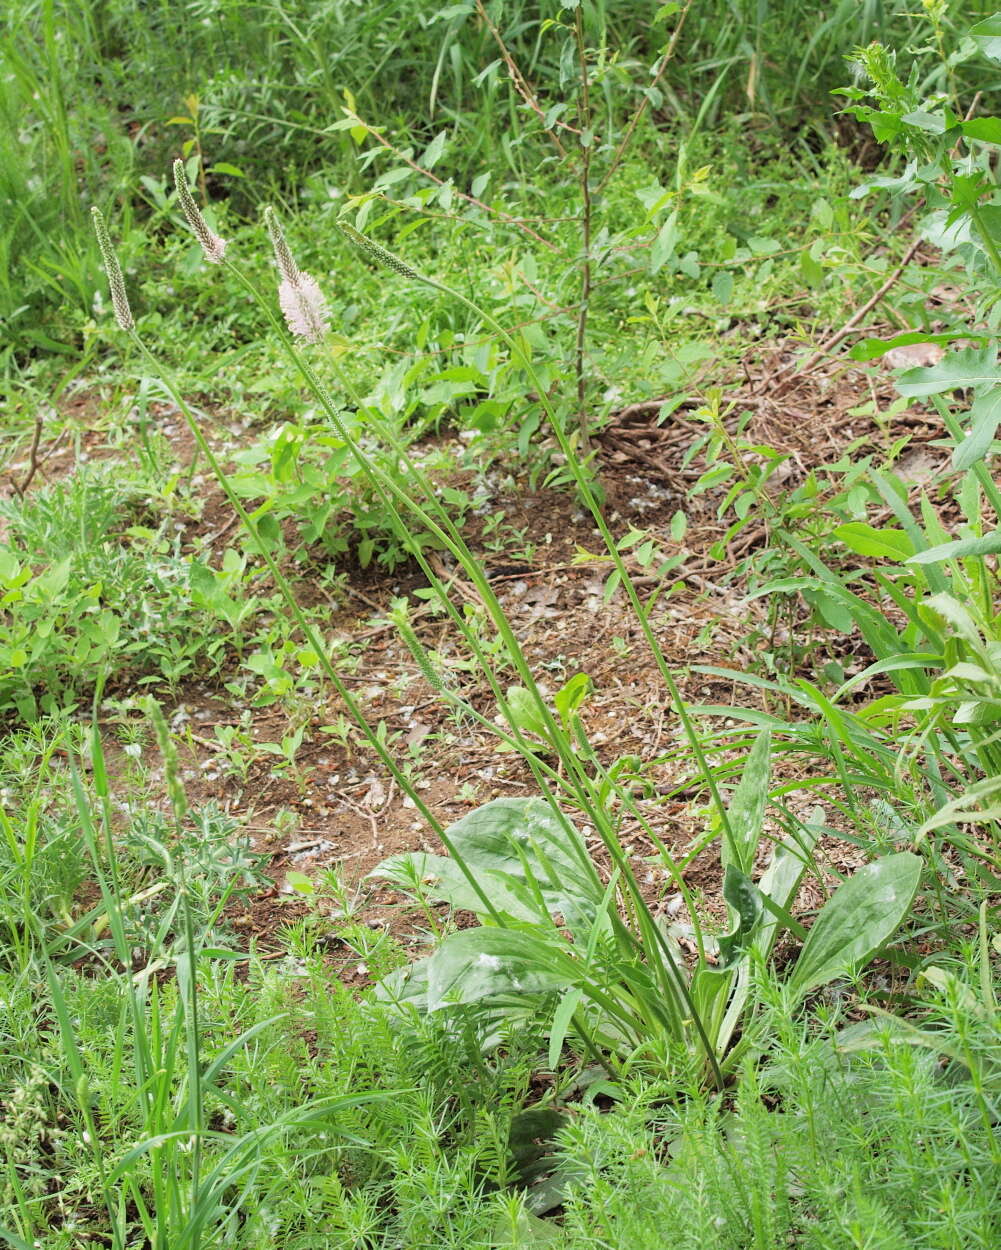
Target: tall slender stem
(586,147)
(582,480)
(309,633)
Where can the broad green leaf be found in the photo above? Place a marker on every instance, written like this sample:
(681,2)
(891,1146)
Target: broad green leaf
(780,880)
(874,349)
(223,167)
(722,287)
(506,843)
(10,566)
(524,711)
(985,417)
(931,123)
(665,243)
(988,34)
(862,915)
(742,895)
(433,152)
(832,610)
(905,182)
(960,370)
(866,540)
(570,697)
(988,545)
(984,129)
(497,835)
(679,526)
(440,878)
(561,1023)
(476,964)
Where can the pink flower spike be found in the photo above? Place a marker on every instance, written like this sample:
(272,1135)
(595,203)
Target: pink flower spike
(304,308)
(214,248)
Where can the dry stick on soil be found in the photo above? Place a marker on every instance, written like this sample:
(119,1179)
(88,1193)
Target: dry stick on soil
(34,464)
(788,375)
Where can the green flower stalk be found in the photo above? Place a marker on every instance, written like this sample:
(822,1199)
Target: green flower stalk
(377,253)
(119,296)
(212,245)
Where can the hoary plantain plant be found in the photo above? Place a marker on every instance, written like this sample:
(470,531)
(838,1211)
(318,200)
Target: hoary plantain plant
(551,915)
(306,316)
(559,949)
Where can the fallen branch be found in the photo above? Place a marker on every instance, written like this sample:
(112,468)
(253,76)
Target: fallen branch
(788,375)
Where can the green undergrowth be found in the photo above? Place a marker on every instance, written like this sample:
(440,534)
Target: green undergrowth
(573,1047)
(329,1122)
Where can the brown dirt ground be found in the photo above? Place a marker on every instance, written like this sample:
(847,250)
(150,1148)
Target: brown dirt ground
(348,816)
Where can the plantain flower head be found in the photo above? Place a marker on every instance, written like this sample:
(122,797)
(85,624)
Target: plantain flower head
(299,293)
(304,308)
(212,245)
(119,296)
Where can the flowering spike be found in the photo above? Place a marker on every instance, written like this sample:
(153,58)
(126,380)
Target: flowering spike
(299,293)
(378,253)
(119,296)
(213,247)
(304,308)
(287,267)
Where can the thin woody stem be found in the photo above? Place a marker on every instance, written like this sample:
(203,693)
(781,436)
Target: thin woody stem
(644,104)
(520,85)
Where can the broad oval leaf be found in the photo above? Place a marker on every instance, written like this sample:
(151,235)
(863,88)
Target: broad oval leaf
(516,849)
(505,835)
(864,913)
(475,964)
(746,811)
(867,540)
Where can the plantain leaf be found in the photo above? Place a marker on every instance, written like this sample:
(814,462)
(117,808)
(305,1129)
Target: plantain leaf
(864,913)
(521,853)
(747,806)
(475,964)
(742,895)
(780,880)
(440,878)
